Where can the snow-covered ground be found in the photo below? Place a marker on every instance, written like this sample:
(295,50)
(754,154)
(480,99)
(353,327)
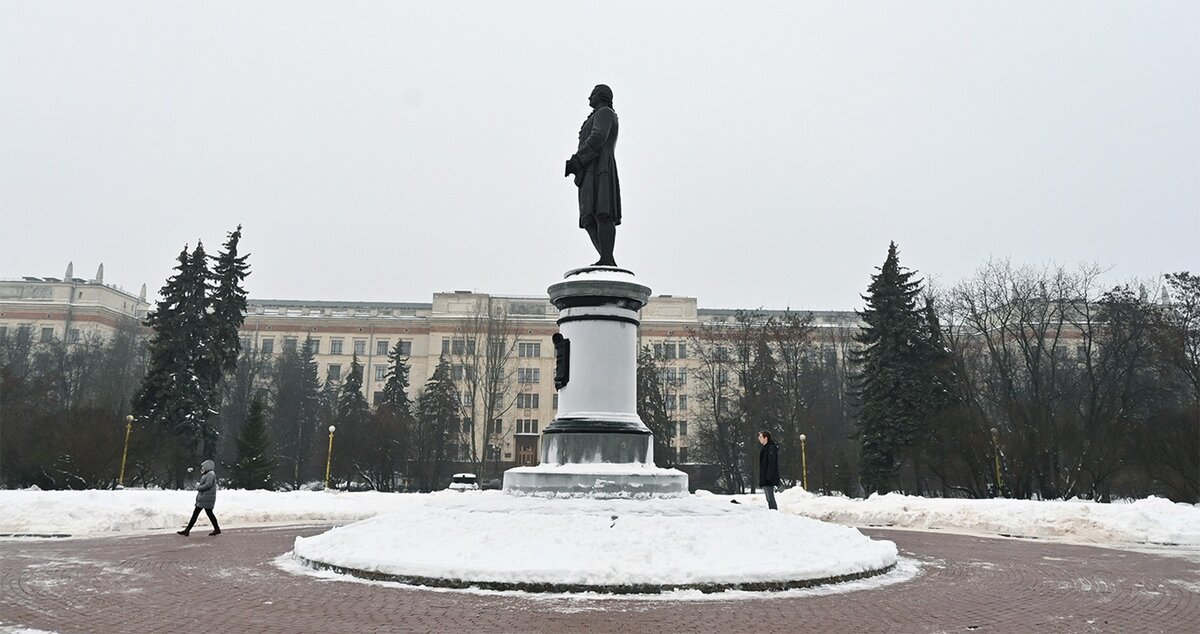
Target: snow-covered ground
(87,513)
(1152,521)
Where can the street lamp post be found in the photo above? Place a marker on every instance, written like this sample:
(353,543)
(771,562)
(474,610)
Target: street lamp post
(125,451)
(329,456)
(996,458)
(803,462)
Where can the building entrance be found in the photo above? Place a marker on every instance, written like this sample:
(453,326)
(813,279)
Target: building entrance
(527,451)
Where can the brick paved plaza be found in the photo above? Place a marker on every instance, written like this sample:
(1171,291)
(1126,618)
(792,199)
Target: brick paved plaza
(167,583)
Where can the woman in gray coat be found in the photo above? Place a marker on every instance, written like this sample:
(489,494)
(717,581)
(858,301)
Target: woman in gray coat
(206,498)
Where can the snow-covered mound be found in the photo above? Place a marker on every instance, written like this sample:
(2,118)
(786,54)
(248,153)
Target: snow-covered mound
(1149,521)
(493,537)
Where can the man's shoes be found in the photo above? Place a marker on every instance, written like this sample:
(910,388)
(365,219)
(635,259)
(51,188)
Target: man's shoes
(184,533)
(216,532)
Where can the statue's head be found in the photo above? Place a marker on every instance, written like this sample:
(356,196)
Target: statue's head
(601,95)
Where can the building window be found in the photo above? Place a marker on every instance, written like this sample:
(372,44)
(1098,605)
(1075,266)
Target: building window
(445,346)
(529,349)
(681,454)
(529,375)
(527,401)
(683,401)
(380,371)
(73,336)
(467,399)
(527,426)
(556,401)
(335,346)
(722,353)
(675,376)
(381,347)
(268,345)
(289,344)
(405,348)
(496,427)
(314,346)
(462,372)
(3,333)
(681,428)
(360,346)
(722,377)
(377,398)
(459,346)
(670,351)
(47,335)
(335,372)
(670,401)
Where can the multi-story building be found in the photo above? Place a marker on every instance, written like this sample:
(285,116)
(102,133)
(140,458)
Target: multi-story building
(452,324)
(69,309)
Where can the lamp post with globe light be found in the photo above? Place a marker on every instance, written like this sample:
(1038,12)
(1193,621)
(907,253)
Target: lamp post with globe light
(125,451)
(329,456)
(803,462)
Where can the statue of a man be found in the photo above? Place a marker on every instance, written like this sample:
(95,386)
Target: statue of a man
(595,169)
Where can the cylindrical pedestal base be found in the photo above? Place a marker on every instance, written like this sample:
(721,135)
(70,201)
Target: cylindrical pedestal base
(597,446)
(590,447)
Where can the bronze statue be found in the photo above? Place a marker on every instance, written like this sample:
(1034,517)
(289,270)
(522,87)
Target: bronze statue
(595,169)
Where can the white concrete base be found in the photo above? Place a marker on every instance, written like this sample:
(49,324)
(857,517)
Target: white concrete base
(596,480)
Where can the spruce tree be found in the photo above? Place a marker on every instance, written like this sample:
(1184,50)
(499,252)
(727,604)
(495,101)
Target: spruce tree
(395,390)
(384,440)
(255,466)
(295,416)
(352,418)
(310,410)
(352,405)
(228,302)
(177,395)
(440,419)
(892,378)
(762,403)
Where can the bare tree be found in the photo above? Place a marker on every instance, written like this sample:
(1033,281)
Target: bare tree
(720,437)
(482,354)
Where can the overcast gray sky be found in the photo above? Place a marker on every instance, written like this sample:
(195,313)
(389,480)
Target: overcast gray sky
(768,152)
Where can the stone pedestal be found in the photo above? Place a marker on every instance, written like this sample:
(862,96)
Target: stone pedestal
(597,445)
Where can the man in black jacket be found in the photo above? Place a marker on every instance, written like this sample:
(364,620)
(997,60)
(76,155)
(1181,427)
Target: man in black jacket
(768,467)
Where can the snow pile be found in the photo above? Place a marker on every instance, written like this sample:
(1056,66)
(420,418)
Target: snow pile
(492,537)
(81,513)
(32,512)
(1149,521)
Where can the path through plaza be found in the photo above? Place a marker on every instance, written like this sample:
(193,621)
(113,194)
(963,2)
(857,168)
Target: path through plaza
(168,583)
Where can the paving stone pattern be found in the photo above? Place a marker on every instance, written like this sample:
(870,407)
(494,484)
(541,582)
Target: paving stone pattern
(168,583)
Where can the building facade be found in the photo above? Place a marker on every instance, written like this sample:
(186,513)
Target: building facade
(68,309)
(453,326)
